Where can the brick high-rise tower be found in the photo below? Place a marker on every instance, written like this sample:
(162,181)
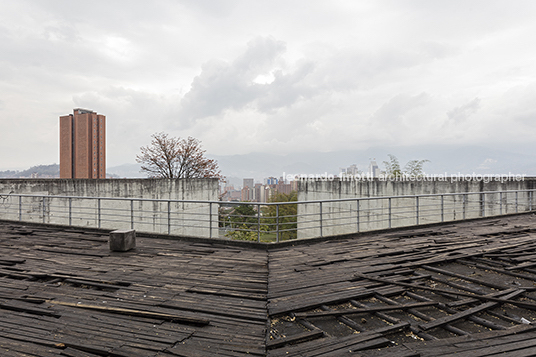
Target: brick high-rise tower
(83,145)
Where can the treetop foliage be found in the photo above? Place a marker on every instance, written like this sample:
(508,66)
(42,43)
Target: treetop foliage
(412,168)
(284,197)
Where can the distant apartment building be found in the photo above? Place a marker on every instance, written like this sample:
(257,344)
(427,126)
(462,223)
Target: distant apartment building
(228,188)
(231,195)
(270,181)
(374,170)
(262,192)
(248,194)
(248,190)
(285,188)
(272,187)
(350,171)
(83,145)
(249,182)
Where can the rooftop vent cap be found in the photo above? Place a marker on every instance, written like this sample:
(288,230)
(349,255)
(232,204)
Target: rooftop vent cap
(122,241)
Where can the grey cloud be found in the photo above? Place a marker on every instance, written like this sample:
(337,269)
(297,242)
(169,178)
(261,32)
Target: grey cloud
(460,114)
(107,16)
(219,8)
(438,50)
(355,69)
(81,39)
(58,51)
(260,54)
(286,89)
(517,106)
(131,116)
(222,85)
(64,32)
(528,118)
(144,112)
(394,110)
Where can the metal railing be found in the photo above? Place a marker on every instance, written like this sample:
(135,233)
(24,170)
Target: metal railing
(262,222)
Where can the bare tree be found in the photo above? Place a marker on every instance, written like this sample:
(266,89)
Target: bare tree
(169,157)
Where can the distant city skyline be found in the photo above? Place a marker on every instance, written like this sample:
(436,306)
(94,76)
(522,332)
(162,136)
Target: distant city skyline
(277,77)
(254,191)
(443,159)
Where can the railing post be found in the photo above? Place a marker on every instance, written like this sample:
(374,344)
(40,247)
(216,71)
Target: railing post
(168,217)
(442,208)
(390,213)
(321,230)
(70,211)
(277,222)
(131,214)
(500,202)
(417,209)
(483,205)
(258,223)
(44,209)
(464,199)
(210,218)
(20,208)
(357,201)
(530,200)
(516,200)
(99,211)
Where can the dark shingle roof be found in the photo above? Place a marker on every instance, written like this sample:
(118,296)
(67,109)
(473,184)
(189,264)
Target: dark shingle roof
(63,293)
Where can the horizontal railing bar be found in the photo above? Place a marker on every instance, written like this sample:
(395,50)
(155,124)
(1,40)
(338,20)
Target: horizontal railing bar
(223,203)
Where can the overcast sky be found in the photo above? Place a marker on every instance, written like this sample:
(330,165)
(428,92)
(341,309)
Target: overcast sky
(267,76)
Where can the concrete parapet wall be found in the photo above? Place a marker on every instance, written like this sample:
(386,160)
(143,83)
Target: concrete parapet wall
(177,189)
(147,216)
(335,218)
(309,190)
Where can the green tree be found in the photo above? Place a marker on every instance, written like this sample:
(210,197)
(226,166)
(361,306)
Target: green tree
(243,214)
(287,215)
(392,167)
(415,167)
(243,222)
(244,232)
(412,168)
